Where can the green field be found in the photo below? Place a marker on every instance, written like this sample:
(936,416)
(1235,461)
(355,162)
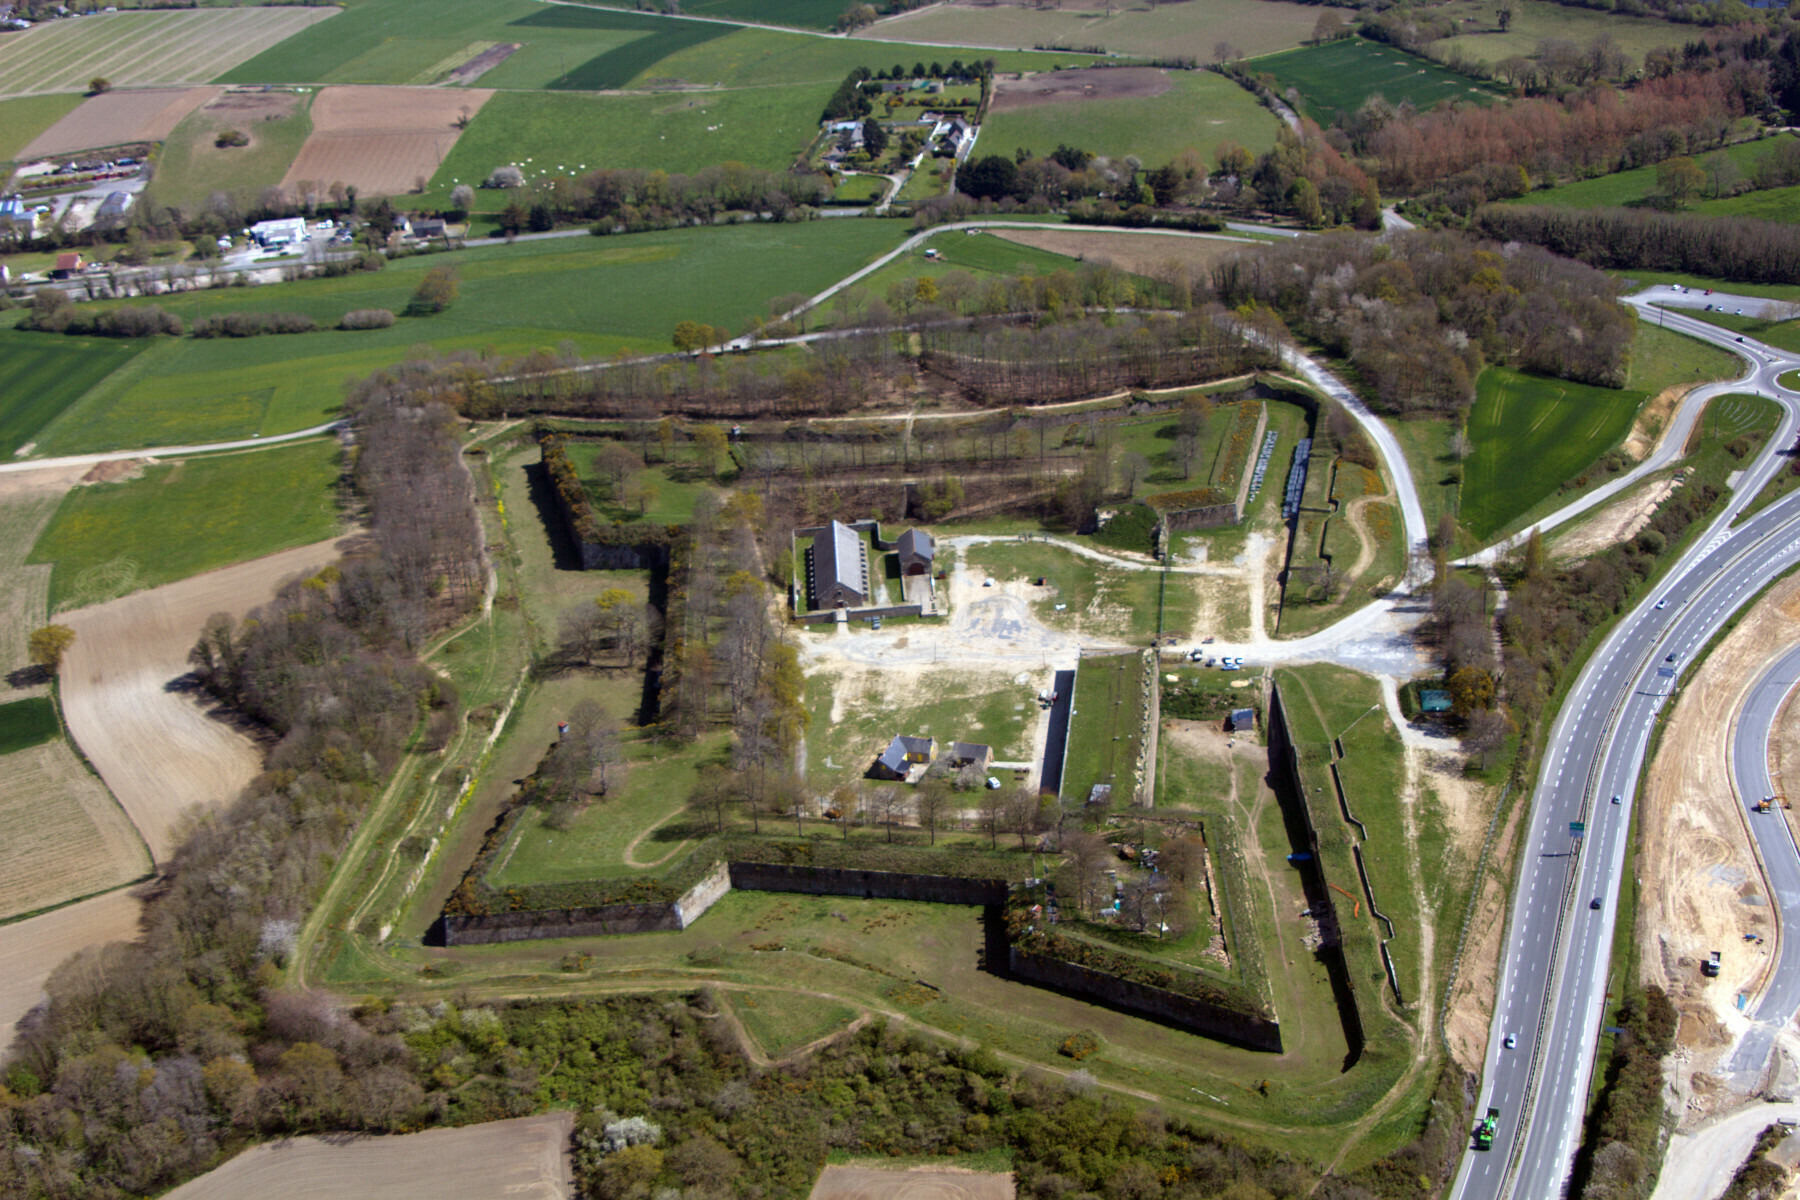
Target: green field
(802,14)
(784,1021)
(1635,186)
(46,373)
(25,723)
(601,294)
(853,722)
(1339,76)
(563,47)
(191,168)
(22,120)
(1105,730)
(1534,21)
(179,519)
(1137,27)
(860,189)
(1531,434)
(1200,110)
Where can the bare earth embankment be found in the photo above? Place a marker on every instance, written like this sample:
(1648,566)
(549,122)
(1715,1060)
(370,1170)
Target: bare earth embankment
(1702,889)
(31,949)
(523,1159)
(159,750)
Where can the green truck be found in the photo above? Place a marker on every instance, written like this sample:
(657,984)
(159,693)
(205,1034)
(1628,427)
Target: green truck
(1484,1130)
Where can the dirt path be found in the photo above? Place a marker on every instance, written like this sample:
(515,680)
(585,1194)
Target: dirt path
(160,750)
(631,858)
(1365,554)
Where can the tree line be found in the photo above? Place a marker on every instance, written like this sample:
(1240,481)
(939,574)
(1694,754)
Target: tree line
(152,1059)
(1632,239)
(1417,315)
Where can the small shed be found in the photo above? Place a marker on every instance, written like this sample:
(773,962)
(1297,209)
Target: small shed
(67,265)
(1434,700)
(1101,793)
(902,755)
(916,549)
(970,754)
(1241,720)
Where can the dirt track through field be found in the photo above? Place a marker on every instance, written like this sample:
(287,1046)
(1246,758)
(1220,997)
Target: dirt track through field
(31,949)
(116,118)
(523,1159)
(158,749)
(380,140)
(920,1183)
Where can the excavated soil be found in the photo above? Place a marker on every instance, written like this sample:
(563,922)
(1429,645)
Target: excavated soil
(1066,87)
(1702,887)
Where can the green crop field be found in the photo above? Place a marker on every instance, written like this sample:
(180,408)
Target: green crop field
(1530,435)
(144,47)
(1142,28)
(1540,20)
(192,168)
(1200,110)
(802,14)
(179,519)
(1339,76)
(46,373)
(600,294)
(23,119)
(25,723)
(1639,184)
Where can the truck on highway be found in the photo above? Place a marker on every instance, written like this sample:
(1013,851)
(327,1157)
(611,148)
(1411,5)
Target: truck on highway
(1484,1130)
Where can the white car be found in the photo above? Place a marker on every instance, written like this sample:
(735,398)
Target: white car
(1512,1040)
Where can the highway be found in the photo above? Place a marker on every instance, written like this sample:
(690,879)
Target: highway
(1553,982)
(1781,860)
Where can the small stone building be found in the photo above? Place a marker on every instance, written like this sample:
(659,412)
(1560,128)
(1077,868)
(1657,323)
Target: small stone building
(970,754)
(916,549)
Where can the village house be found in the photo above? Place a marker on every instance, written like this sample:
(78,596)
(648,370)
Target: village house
(970,754)
(839,568)
(905,758)
(68,265)
(916,549)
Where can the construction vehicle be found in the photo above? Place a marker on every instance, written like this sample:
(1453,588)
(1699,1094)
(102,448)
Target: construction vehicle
(1710,968)
(1764,804)
(1484,1130)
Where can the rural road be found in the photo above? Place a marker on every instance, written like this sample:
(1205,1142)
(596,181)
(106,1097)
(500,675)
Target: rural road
(1554,966)
(251,443)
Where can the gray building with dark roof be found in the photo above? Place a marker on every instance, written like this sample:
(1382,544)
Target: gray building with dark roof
(903,754)
(839,572)
(916,549)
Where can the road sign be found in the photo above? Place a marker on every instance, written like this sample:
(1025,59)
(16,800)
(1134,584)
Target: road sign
(1577,828)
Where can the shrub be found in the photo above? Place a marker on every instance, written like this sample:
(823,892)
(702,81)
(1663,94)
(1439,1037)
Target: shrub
(367,318)
(231,137)
(242,324)
(504,177)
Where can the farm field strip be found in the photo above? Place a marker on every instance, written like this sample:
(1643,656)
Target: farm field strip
(32,948)
(1193,110)
(1339,76)
(1253,26)
(62,835)
(144,47)
(24,118)
(149,115)
(381,139)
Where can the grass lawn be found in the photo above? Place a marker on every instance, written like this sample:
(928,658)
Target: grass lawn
(979,255)
(1106,728)
(657,784)
(552,134)
(179,519)
(804,14)
(22,120)
(191,167)
(1639,184)
(601,294)
(46,373)
(25,723)
(1782,334)
(1339,76)
(1530,434)
(784,1021)
(1143,28)
(1108,604)
(859,189)
(1538,20)
(853,720)
(1200,110)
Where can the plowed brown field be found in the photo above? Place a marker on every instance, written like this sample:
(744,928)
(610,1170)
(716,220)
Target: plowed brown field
(119,118)
(163,752)
(524,1159)
(61,834)
(380,140)
(920,1183)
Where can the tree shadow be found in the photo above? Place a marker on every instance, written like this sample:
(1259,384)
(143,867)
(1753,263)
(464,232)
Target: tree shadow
(32,676)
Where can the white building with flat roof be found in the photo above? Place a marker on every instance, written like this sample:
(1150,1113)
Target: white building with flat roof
(270,234)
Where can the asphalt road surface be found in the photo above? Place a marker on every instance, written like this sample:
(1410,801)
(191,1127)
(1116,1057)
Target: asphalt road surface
(1781,859)
(1553,979)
